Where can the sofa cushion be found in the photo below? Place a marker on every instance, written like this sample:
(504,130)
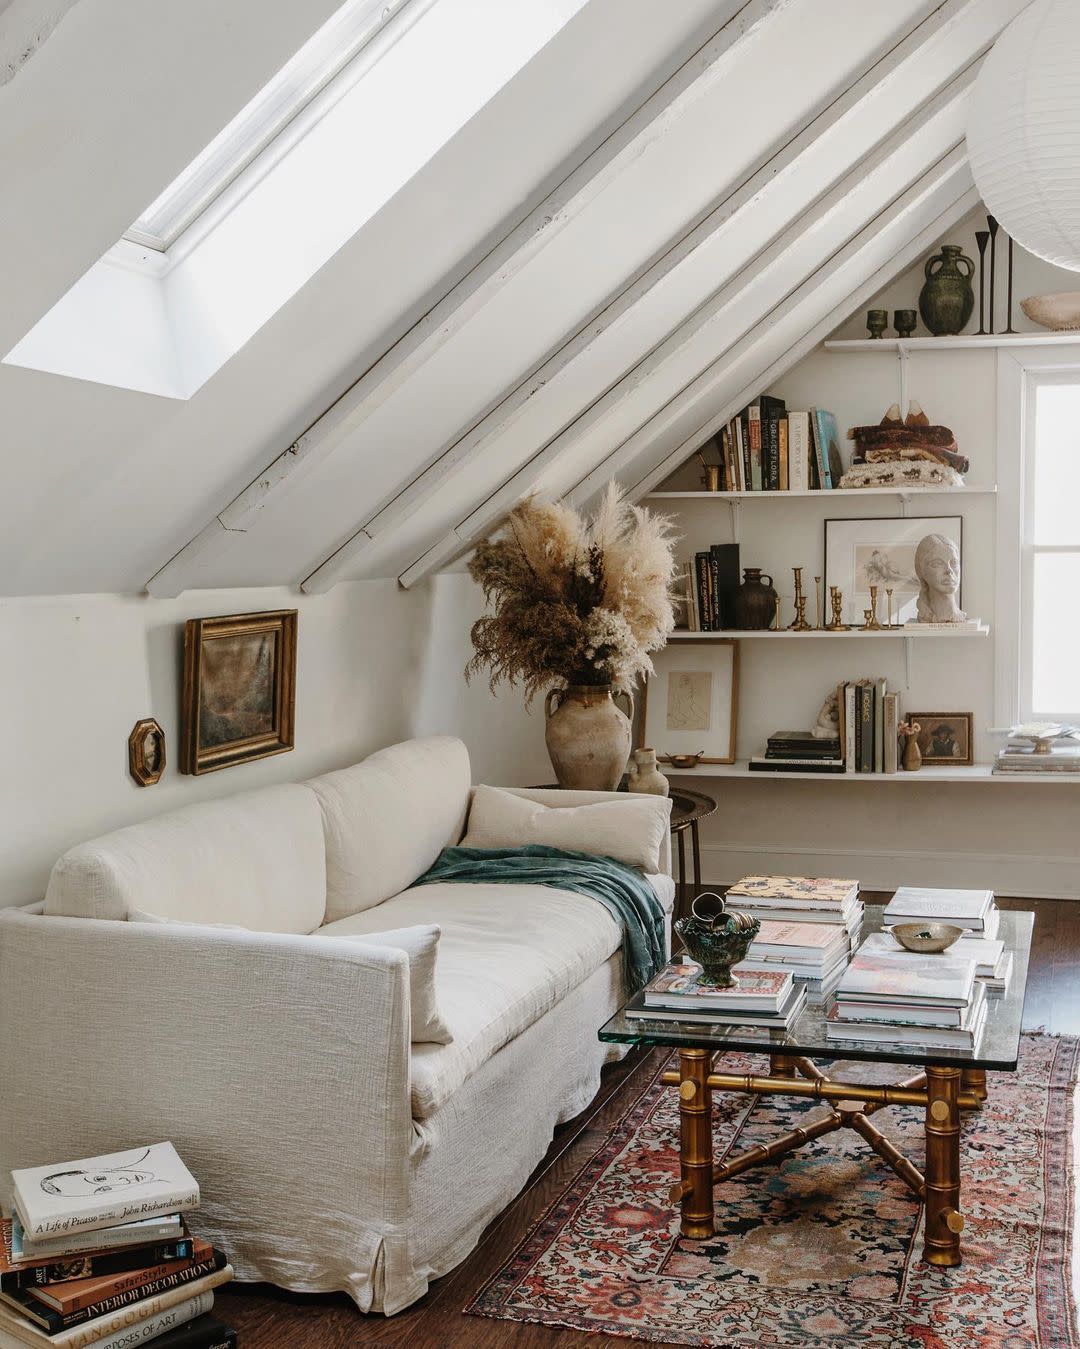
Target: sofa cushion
(388,818)
(421,945)
(630,827)
(508,954)
(256,859)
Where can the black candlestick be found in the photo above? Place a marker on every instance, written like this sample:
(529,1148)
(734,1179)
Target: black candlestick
(993,226)
(982,237)
(1008,310)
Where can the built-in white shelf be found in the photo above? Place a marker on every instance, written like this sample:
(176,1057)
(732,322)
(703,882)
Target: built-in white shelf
(961,341)
(847,493)
(960,773)
(859,634)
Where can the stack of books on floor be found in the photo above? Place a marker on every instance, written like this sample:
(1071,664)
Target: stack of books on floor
(801,899)
(1019,756)
(816,954)
(766,999)
(891,996)
(98,1252)
(799,752)
(973,910)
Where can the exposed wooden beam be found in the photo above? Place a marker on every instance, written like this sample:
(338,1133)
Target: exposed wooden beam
(625,143)
(784,181)
(878,252)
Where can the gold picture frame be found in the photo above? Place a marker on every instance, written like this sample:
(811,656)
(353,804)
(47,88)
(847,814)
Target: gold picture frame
(238,695)
(146,752)
(945,738)
(706,701)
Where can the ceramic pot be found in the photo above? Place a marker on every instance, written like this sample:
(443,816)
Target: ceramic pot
(946,300)
(587,736)
(912,759)
(716,938)
(755,600)
(644,776)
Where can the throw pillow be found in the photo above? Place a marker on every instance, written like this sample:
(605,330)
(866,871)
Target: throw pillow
(630,828)
(421,945)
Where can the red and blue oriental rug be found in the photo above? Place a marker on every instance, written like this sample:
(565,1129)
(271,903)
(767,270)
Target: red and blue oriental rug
(823,1249)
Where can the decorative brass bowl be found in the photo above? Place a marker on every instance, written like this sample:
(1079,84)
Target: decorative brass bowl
(684,760)
(926,937)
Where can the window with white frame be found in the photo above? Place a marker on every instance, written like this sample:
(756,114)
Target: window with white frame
(1049,630)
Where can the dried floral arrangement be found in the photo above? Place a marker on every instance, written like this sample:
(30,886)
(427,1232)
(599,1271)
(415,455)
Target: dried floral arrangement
(573,600)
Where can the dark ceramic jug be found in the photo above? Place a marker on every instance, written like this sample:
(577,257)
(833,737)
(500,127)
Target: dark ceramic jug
(946,300)
(755,600)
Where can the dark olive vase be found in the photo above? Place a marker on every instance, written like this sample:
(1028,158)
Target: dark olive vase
(946,300)
(755,600)
(716,939)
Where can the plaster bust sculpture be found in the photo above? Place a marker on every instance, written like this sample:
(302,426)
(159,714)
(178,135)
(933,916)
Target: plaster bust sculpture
(937,566)
(828,719)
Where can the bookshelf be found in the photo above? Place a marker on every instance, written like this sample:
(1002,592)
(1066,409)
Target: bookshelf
(959,342)
(856,634)
(834,494)
(975,773)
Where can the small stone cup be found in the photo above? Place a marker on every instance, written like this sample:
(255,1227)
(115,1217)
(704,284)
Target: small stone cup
(877,320)
(904,322)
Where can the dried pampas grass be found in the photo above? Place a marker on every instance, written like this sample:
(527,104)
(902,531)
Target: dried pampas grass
(573,600)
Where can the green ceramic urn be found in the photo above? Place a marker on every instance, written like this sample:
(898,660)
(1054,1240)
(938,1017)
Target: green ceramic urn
(716,938)
(946,299)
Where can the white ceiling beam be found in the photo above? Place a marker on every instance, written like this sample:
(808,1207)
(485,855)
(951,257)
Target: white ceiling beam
(789,177)
(625,143)
(880,249)
(25,27)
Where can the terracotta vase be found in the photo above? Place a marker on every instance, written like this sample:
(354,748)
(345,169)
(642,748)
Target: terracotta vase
(912,759)
(644,776)
(588,736)
(755,600)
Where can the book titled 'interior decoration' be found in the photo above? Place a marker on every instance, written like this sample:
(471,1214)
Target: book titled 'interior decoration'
(98,1192)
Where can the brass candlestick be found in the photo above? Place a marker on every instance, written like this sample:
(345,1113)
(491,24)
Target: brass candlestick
(799,624)
(836,599)
(817,600)
(872,624)
(776,614)
(888,594)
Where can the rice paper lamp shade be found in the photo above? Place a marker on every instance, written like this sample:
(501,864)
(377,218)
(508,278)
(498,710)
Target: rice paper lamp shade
(1023,132)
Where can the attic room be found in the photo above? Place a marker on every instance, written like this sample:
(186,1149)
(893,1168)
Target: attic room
(591,488)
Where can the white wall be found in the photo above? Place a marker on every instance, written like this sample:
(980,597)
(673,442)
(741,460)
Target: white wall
(79,671)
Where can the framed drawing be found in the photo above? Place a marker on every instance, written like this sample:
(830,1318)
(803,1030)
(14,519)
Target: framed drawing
(690,703)
(881,551)
(945,737)
(238,699)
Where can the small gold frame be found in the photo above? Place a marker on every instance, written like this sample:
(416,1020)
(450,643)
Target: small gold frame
(146,762)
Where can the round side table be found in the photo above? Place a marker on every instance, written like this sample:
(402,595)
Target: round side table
(687,808)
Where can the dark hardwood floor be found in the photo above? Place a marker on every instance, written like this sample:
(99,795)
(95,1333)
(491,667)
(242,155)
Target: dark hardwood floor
(267,1318)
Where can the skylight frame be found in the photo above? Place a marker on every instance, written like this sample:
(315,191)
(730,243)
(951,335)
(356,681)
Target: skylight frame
(255,128)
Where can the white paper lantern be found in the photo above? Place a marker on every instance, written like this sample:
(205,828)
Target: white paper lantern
(1023,131)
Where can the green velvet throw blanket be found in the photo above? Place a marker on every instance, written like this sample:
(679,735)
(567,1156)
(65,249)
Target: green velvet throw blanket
(624,892)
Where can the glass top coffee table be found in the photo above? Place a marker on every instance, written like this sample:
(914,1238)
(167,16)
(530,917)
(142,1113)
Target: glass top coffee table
(948,1081)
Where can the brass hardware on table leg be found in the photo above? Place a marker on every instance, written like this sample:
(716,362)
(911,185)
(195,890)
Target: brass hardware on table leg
(808,1068)
(772,1152)
(974,1080)
(943,1218)
(696,1153)
(780,1064)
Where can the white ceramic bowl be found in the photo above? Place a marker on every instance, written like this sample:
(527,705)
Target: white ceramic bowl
(1061,312)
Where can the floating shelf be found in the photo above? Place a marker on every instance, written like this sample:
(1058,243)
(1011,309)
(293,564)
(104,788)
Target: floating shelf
(961,773)
(858,634)
(846,493)
(968,341)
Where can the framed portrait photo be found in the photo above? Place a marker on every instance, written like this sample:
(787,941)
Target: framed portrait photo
(238,699)
(945,737)
(881,551)
(690,703)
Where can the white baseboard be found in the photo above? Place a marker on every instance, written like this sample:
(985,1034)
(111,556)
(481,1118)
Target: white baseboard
(1022,875)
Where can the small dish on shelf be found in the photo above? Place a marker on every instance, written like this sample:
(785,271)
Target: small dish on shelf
(683,760)
(926,938)
(1059,312)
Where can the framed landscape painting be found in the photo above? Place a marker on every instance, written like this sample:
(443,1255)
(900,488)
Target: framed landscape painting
(881,551)
(238,698)
(689,704)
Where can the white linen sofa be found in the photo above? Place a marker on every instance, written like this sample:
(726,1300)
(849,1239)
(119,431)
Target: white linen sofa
(332,1154)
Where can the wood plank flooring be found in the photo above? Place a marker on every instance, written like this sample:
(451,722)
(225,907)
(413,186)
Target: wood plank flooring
(267,1318)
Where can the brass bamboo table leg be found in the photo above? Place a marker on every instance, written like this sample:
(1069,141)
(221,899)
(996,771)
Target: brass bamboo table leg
(695,1128)
(944,1222)
(974,1080)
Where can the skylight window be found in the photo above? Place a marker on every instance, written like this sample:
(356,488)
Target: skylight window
(323,57)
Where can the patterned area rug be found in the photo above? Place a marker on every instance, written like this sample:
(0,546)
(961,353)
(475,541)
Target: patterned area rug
(823,1249)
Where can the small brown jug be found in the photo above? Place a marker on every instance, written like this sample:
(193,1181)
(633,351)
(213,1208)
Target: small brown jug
(755,600)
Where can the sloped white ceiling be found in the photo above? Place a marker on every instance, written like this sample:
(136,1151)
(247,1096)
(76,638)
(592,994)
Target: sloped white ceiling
(665,206)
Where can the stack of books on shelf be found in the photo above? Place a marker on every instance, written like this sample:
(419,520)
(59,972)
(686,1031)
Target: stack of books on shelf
(768,449)
(973,910)
(869,726)
(98,1252)
(799,752)
(1019,756)
(891,996)
(710,588)
(801,899)
(766,999)
(815,954)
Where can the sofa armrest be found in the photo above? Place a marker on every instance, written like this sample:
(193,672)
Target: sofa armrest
(278,1065)
(557,796)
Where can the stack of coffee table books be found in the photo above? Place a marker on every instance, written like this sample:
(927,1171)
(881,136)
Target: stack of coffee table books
(765,998)
(800,899)
(973,910)
(815,953)
(891,996)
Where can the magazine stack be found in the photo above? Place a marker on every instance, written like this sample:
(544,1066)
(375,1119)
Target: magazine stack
(814,953)
(98,1251)
(766,999)
(891,996)
(801,899)
(973,910)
